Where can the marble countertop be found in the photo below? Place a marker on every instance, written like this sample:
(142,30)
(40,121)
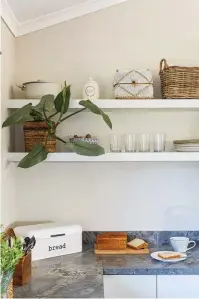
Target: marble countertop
(81,275)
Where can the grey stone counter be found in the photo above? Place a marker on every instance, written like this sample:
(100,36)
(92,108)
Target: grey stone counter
(78,275)
(81,275)
(145,265)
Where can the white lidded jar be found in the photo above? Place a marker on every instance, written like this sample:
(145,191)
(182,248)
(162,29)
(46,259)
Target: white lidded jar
(91,90)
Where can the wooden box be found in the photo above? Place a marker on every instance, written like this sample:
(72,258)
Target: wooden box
(23,271)
(112,241)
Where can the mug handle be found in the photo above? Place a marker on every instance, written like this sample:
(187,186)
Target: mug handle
(191,246)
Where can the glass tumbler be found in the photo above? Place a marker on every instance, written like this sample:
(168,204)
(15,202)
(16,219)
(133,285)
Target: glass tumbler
(144,143)
(130,143)
(159,142)
(115,143)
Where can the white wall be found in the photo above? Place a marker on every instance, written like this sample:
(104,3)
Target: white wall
(142,196)
(8,207)
(111,197)
(135,34)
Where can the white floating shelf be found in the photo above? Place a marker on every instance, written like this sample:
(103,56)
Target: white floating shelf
(120,104)
(115,157)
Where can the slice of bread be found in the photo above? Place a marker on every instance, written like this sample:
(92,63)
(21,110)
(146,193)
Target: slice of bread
(137,244)
(169,255)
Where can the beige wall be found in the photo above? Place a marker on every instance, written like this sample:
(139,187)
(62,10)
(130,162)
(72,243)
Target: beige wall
(8,208)
(136,34)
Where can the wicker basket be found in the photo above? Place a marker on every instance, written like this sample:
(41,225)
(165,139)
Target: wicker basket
(10,290)
(7,286)
(36,132)
(179,82)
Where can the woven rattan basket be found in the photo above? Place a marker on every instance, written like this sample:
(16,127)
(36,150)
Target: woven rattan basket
(10,295)
(36,133)
(10,290)
(179,82)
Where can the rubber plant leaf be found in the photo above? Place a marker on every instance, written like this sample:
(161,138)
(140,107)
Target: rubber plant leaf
(93,108)
(19,116)
(62,100)
(46,102)
(85,149)
(37,155)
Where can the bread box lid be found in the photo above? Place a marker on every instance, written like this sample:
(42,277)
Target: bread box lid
(47,230)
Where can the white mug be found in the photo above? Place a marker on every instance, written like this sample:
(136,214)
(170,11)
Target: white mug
(180,244)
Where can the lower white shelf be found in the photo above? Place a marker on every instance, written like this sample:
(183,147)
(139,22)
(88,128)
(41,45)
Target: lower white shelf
(115,157)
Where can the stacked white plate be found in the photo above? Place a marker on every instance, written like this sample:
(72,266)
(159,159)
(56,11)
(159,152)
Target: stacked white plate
(191,145)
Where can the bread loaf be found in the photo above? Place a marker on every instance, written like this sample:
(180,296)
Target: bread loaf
(111,241)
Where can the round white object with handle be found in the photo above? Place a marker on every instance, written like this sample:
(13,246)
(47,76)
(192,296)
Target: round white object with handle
(38,89)
(181,244)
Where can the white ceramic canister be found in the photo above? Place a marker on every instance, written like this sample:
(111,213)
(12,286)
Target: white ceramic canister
(91,90)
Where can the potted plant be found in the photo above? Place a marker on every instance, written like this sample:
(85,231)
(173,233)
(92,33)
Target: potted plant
(41,123)
(10,257)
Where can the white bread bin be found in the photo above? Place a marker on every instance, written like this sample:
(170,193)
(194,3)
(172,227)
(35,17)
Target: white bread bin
(52,239)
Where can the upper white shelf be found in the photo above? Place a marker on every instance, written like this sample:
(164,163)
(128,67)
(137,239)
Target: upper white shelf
(120,104)
(115,157)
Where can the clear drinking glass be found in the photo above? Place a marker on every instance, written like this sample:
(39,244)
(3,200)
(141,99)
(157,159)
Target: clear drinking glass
(144,143)
(130,143)
(159,142)
(115,143)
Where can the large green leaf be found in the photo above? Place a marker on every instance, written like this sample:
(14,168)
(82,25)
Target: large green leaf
(37,155)
(19,116)
(37,115)
(85,148)
(47,103)
(62,100)
(93,108)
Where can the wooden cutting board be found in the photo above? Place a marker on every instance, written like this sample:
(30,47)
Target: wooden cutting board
(128,250)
